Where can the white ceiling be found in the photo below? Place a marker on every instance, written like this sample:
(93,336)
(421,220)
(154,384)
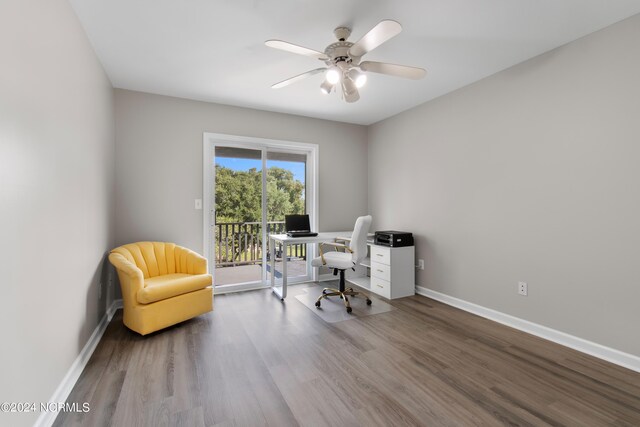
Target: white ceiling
(213,50)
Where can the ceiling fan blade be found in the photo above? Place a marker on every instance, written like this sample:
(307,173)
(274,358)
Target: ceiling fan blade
(298,78)
(375,37)
(414,73)
(294,48)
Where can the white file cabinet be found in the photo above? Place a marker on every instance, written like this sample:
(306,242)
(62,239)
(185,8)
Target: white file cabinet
(388,272)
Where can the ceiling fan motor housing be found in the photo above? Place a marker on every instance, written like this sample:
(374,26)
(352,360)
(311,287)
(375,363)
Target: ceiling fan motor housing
(342,33)
(338,52)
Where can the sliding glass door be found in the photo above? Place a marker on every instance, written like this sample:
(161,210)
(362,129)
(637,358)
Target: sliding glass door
(252,184)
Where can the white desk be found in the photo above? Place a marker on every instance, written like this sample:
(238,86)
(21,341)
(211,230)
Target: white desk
(286,240)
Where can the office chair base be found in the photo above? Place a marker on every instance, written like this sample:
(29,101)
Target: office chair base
(342,292)
(332,292)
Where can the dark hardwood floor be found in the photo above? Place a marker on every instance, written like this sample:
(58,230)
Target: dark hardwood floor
(255,361)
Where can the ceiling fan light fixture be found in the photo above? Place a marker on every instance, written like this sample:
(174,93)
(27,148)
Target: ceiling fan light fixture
(348,85)
(349,90)
(358,77)
(332,75)
(326,87)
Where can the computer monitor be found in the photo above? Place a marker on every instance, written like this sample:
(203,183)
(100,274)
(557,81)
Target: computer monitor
(297,223)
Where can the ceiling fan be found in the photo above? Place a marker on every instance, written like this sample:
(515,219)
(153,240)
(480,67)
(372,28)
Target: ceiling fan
(342,59)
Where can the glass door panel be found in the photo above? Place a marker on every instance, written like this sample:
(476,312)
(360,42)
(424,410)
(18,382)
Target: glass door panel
(286,194)
(238,248)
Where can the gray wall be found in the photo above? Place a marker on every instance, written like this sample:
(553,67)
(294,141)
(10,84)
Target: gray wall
(56,196)
(159,163)
(529,175)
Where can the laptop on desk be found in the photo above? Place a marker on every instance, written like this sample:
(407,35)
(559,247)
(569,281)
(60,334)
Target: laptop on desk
(298,226)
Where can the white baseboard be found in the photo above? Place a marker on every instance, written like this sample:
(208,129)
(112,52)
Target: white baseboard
(115,306)
(229,289)
(617,357)
(69,381)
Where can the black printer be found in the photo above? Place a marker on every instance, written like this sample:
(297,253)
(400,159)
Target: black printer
(395,239)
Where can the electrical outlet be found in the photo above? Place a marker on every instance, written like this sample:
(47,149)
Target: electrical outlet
(522,288)
(421,264)
(198,204)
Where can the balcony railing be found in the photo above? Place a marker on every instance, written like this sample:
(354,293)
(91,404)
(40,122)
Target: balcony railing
(240,243)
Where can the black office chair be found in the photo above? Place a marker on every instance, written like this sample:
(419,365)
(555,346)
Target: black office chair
(341,261)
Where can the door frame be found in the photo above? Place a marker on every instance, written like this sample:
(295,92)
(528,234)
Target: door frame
(209,142)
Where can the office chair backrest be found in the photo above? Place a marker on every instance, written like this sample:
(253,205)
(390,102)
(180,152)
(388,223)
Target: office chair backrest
(358,242)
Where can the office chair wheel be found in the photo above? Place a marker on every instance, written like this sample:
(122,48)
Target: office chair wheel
(318,304)
(368,301)
(349,310)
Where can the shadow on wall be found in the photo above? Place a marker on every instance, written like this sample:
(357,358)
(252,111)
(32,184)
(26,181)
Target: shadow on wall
(113,283)
(98,299)
(425,251)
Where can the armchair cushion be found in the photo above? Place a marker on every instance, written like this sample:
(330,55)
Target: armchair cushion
(170,285)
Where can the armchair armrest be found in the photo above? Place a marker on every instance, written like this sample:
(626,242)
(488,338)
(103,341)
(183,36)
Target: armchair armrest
(189,262)
(131,277)
(126,267)
(196,263)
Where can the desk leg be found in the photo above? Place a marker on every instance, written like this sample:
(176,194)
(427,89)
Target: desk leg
(272,252)
(284,270)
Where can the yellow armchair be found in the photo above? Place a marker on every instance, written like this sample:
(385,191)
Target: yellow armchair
(162,284)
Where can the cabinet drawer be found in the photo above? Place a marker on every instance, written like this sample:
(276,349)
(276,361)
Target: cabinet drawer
(381,271)
(381,287)
(380,254)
